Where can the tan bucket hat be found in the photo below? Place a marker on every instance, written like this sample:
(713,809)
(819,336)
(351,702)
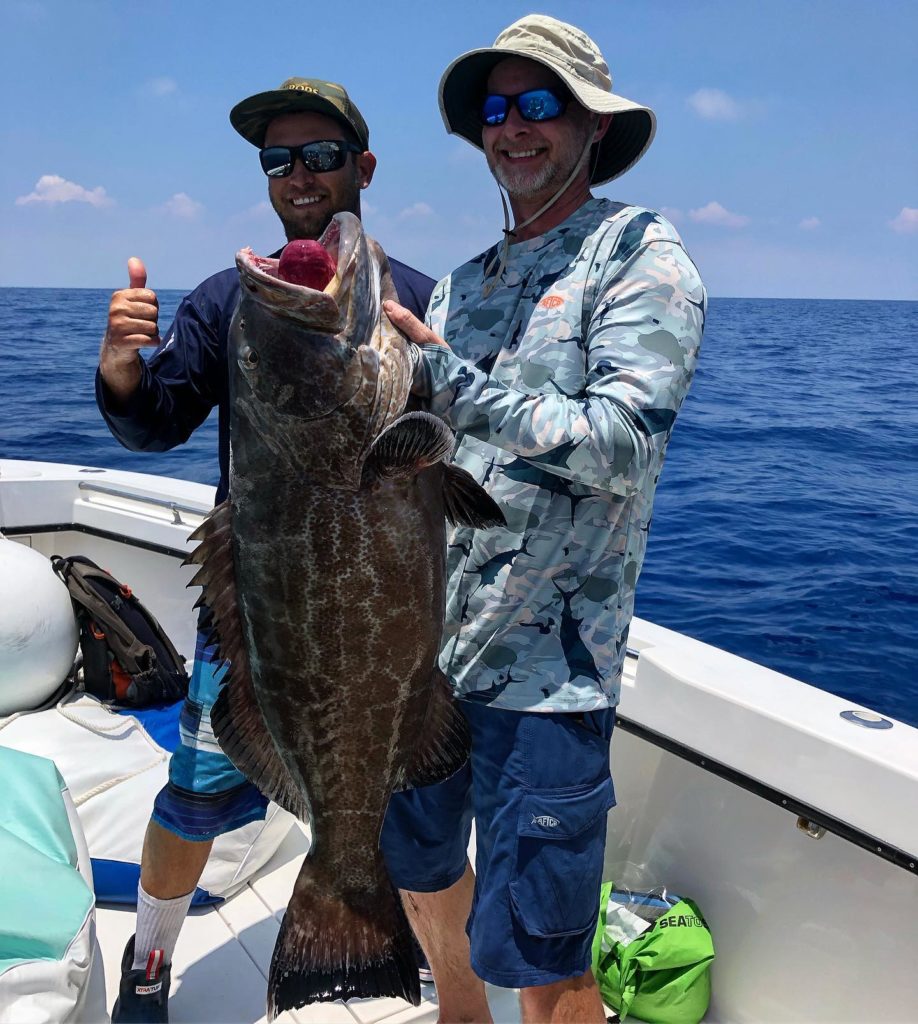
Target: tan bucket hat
(576,60)
(251,116)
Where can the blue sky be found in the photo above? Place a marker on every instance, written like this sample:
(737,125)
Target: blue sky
(786,150)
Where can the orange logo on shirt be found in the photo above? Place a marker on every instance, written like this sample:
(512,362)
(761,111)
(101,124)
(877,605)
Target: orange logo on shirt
(551,302)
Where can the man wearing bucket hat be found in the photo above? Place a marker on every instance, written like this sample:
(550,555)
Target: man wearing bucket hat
(314,148)
(568,350)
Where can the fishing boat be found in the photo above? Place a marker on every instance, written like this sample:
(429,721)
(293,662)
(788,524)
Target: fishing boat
(789,815)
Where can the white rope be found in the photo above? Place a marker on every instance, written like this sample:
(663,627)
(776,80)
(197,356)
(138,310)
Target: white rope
(101,730)
(4,722)
(111,783)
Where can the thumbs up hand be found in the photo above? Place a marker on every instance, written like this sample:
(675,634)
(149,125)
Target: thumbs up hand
(137,273)
(133,315)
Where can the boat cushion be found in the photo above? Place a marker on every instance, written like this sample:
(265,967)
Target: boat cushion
(114,764)
(47,909)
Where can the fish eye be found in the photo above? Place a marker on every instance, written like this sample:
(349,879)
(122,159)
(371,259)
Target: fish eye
(248,358)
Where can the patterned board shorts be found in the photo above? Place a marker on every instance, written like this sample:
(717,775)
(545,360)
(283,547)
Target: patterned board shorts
(206,794)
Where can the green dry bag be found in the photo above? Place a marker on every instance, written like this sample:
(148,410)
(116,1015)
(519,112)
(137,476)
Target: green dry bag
(652,955)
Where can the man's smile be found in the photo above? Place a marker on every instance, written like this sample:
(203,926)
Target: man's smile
(521,154)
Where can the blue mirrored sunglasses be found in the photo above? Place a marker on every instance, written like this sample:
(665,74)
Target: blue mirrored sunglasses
(317,157)
(533,105)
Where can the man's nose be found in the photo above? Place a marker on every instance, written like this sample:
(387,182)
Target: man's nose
(300,174)
(515,122)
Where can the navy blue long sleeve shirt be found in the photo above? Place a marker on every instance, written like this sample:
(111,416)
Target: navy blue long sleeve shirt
(187,375)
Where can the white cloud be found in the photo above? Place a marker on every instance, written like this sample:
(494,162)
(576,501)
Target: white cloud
(259,209)
(161,86)
(714,105)
(417,211)
(671,213)
(52,188)
(906,222)
(182,205)
(810,223)
(715,214)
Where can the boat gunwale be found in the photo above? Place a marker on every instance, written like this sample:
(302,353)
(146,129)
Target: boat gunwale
(850,833)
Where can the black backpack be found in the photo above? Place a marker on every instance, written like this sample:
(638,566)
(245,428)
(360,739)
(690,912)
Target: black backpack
(127,658)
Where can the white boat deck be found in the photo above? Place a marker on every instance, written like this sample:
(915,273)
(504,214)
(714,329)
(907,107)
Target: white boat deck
(220,967)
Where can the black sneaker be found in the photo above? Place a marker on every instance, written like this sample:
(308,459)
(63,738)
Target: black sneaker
(143,997)
(425,974)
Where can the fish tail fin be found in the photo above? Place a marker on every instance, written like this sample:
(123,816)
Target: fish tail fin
(341,946)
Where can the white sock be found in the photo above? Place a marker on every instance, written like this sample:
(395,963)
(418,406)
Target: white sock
(158,925)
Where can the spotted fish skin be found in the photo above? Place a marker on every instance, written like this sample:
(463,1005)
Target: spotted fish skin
(325,571)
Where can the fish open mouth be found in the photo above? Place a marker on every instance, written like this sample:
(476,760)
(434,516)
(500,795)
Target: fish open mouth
(314,307)
(267,269)
(310,279)
(272,267)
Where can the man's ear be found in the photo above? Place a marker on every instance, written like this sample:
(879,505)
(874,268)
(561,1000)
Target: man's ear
(602,126)
(366,167)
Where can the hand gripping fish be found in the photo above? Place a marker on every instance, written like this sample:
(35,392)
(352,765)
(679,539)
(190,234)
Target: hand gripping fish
(325,573)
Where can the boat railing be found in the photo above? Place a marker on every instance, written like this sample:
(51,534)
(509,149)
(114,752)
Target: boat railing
(176,508)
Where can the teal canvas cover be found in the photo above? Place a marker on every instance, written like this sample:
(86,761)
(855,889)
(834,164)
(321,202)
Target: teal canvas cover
(652,953)
(44,900)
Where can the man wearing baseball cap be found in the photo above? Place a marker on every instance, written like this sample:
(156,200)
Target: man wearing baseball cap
(560,356)
(314,149)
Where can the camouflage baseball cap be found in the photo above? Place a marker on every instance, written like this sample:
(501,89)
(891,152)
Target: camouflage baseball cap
(573,56)
(297,95)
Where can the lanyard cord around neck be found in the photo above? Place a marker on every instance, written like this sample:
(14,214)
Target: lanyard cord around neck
(504,250)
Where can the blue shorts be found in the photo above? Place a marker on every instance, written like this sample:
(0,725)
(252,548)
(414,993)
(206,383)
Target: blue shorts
(539,788)
(206,794)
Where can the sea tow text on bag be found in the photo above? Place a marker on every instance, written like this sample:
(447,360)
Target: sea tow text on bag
(681,921)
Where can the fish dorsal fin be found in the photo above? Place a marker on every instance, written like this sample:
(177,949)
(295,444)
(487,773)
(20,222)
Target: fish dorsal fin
(235,717)
(467,503)
(412,443)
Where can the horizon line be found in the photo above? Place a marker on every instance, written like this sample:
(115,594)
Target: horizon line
(184,291)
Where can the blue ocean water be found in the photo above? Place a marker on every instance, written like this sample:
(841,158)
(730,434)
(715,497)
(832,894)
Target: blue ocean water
(786,522)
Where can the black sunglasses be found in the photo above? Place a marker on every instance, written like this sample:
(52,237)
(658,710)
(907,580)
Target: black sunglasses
(533,105)
(317,157)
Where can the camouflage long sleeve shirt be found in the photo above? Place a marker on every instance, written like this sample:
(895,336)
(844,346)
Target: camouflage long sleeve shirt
(562,385)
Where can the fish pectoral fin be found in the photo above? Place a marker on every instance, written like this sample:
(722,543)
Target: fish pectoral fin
(467,503)
(412,443)
(444,744)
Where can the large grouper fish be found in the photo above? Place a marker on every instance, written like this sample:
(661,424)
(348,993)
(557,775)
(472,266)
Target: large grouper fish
(325,574)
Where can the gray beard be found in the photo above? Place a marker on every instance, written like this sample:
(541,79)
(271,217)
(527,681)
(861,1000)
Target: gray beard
(524,184)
